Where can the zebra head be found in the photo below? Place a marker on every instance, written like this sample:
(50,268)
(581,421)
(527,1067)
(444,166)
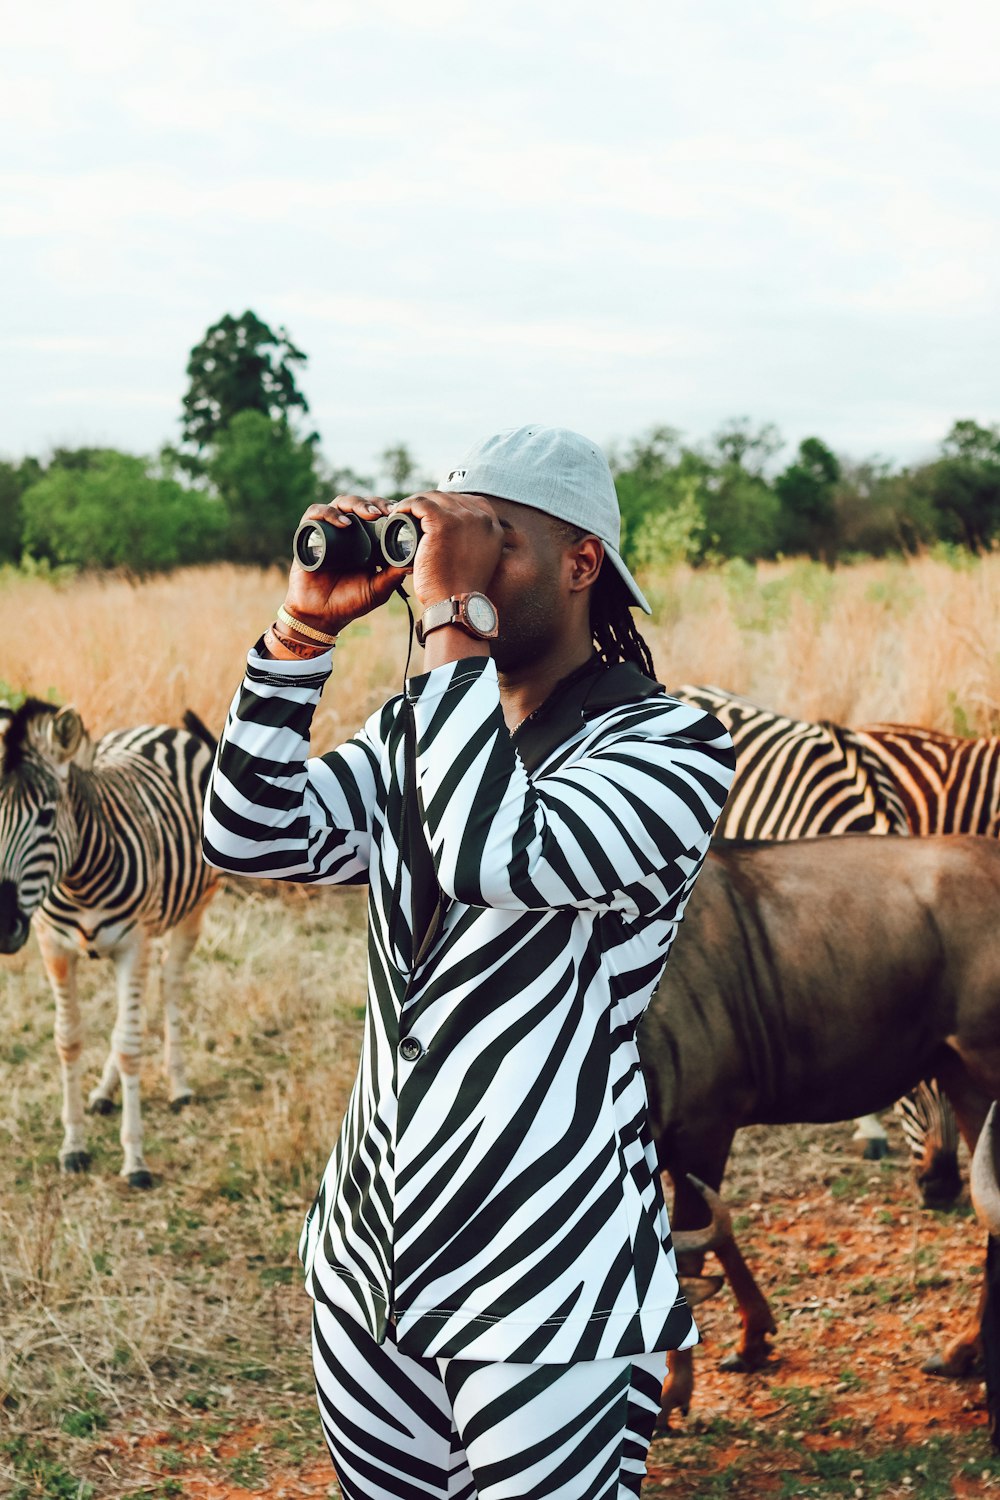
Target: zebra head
(38,745)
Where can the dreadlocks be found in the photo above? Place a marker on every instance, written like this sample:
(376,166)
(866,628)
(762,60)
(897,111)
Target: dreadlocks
(612,625)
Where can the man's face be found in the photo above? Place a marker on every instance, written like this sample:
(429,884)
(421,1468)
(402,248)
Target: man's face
(530,586)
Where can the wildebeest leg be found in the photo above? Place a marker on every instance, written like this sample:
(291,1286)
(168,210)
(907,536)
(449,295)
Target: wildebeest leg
(971,1104)
(758,1320)
(689,1210)
(708,1161)
(60,966)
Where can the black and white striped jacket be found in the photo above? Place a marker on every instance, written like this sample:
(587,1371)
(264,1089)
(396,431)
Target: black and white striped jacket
(494,1190)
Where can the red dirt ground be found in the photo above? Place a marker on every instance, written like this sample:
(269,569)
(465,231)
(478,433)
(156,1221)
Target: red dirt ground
(864,1286)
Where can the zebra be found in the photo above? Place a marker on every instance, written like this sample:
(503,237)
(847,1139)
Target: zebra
(100,850)
(946,784)
(797,779)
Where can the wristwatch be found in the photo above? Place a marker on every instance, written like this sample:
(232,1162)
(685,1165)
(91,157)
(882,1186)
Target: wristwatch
(474,613)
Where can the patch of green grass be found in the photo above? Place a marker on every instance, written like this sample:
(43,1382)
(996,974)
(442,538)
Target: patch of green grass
(174,1460)
(40,1476)
(850,1184)
(925,1468)
(247,1469)
(84,1422)
(201,1400)
(808,1407)
(277,1275)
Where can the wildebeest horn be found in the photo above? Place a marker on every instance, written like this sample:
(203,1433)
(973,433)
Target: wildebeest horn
(983,1186)
(720,1229)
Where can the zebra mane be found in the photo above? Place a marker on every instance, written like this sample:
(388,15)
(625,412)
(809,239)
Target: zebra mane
(15,738)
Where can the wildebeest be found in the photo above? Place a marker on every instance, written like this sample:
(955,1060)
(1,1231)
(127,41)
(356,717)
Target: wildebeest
(101,846)
(797,778)
(815,981)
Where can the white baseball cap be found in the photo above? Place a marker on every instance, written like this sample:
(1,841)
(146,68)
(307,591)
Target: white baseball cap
(555,471)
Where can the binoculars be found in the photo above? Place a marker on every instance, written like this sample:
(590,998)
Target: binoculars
(389,541)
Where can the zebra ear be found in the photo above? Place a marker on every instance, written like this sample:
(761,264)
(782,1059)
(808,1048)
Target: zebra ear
(64,733)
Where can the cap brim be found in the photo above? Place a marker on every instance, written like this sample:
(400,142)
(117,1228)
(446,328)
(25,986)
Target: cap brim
(635,592)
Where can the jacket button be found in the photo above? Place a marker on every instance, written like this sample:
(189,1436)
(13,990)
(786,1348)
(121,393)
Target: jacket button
(410,1049)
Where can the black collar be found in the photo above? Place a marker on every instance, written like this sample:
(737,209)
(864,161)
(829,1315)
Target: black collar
(584,693)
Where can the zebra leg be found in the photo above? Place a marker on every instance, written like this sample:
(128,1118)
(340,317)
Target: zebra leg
(179,946)
(869,1128)
(60,966)
(101,1100)
(131,960)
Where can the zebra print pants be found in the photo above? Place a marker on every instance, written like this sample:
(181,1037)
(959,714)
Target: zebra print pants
(404,1428)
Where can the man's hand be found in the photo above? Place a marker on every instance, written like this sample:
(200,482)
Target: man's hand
(460,545)
(328,601)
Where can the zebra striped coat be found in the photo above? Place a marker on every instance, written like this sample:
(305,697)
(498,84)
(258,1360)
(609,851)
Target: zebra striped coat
(494,1190)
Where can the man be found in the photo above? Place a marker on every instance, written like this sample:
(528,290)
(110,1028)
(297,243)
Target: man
(489,1256)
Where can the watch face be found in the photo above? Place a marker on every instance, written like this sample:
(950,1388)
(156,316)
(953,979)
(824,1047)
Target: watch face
(480,612)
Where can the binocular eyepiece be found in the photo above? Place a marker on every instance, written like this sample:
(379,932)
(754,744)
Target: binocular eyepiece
(389,541)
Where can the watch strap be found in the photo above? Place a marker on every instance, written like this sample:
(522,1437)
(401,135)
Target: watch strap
(451,611)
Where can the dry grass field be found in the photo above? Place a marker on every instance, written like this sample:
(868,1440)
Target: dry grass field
(916,642)
(154,1344)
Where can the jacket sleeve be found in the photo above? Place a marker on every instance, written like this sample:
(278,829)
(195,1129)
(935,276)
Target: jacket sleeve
(271,810)
(623,827)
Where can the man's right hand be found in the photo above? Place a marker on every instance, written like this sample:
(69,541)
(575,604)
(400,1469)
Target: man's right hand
(328,601)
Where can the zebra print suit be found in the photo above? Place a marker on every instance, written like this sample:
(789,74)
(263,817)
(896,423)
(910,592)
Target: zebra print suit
(494,1192)
(100,845)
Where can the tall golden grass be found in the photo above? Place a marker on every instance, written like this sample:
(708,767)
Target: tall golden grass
(916,642)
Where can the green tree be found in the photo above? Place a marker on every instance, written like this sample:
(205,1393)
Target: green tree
(740,508)
(805,493)
(878,512)
(118,512)
(265,477)
(963,486)
(399,465)
(14,480)
(660,485)
(738,443)
(240,365)
(972,443)
(741,514)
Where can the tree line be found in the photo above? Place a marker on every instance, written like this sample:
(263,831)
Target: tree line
(246,467)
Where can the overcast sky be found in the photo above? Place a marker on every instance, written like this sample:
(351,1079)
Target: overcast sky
(472,215)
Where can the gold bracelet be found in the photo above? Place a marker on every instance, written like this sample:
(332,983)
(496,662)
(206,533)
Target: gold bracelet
(306,630)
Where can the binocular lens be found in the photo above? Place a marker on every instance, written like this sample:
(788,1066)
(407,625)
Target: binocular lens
(310,547)
(399,540)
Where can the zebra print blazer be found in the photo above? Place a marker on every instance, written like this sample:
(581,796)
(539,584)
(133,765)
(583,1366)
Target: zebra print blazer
(494,1191)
